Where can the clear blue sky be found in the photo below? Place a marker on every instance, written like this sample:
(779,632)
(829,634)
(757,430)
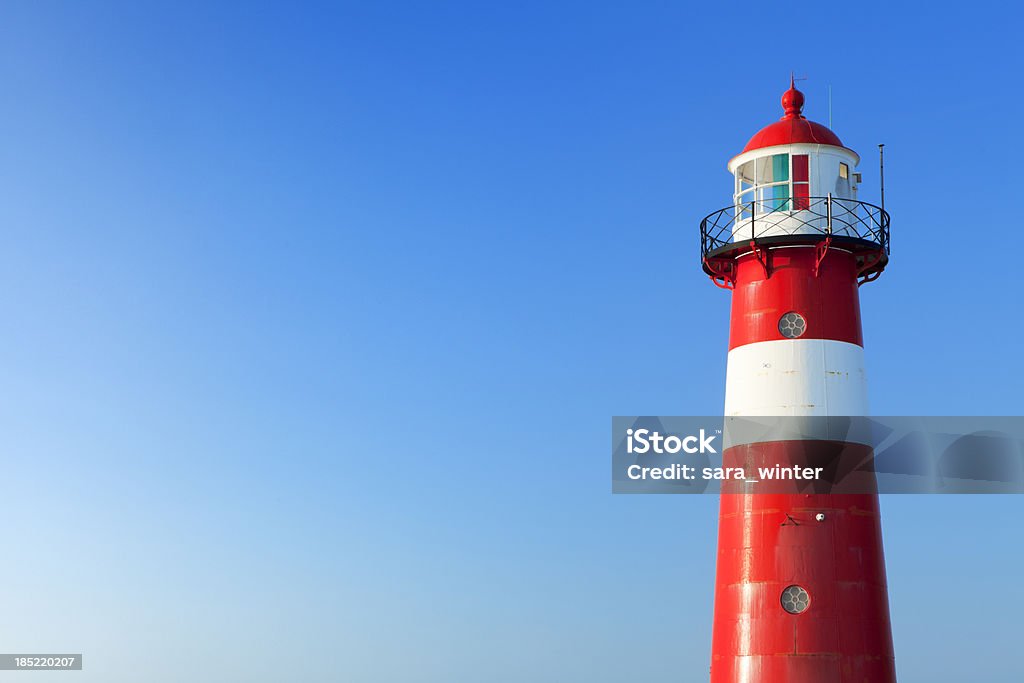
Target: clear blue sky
(314,319)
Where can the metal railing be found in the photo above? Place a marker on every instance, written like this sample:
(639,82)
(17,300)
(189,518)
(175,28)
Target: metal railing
(794,216)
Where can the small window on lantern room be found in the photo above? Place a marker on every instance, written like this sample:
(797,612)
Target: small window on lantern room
(842,188)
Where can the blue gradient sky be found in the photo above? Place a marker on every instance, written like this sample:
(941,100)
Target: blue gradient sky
(314,319)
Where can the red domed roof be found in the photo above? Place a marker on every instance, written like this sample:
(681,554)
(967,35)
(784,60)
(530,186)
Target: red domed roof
(793,127)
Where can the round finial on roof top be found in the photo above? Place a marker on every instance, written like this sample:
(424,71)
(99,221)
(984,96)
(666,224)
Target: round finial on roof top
(792,101)
(792,128)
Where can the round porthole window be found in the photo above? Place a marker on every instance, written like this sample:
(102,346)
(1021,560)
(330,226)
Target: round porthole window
(792,325)
(795,600)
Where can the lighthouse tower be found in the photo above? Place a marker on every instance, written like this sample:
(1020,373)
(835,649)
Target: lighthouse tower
(800,590)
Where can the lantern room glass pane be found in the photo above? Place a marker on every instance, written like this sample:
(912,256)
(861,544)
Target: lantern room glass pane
(780,167)
(801,195)
(781,195)
(800,168)
(773,198)
(772,169)
(746,172)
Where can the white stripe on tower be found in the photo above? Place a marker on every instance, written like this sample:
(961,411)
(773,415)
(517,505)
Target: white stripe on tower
(796,377)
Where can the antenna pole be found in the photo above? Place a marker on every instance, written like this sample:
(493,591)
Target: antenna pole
(881,172)
(830,107)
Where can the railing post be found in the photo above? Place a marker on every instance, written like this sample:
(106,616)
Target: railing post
(828,213)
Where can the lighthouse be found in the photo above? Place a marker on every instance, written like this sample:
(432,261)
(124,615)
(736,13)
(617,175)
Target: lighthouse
(800,588)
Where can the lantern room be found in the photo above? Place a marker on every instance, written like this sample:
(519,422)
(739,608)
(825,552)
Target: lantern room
(787,164)
(794,184)
(784,178)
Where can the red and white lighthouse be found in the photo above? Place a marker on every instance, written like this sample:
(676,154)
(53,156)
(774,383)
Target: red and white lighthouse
(800,590)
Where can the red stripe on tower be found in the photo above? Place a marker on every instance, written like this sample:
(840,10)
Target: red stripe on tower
(824,294)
